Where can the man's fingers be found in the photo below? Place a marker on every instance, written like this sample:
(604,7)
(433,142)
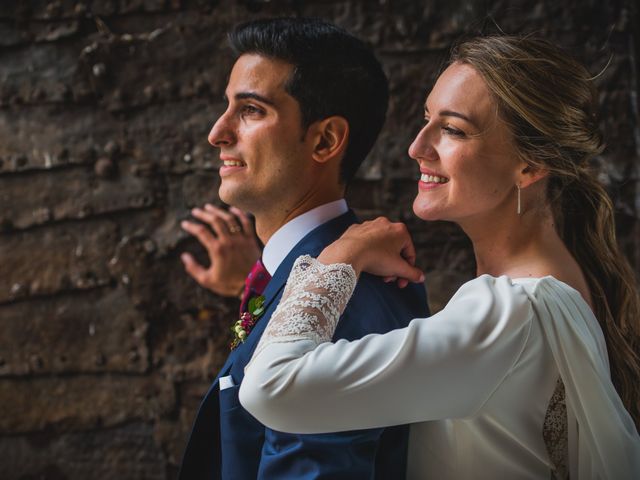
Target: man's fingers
(217,223)
(222,229)
(202,233)
(244,219)
(210,218)
(203,216)
(223,220)
(212,208)
(193,268)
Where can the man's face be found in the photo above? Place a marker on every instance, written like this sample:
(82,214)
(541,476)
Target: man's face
(266,157)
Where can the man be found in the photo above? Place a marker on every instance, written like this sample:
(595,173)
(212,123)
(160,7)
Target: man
(306,103)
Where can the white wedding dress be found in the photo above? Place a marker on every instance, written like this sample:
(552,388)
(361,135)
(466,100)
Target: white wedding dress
(475,379)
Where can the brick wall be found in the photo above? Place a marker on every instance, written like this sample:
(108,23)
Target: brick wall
(106,346)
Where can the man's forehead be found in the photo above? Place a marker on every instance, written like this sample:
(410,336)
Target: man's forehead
(259,74)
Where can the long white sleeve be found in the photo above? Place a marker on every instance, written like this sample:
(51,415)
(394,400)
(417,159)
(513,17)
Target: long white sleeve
(445,366)
(486,365)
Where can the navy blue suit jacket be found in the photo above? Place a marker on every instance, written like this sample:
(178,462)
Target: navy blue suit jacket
(226,442)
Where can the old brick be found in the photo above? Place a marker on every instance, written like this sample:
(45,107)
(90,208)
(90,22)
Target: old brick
(81,402)
(10,35)
(84,192)
(92,332)
(46,261)
(127,452)
(51,32)
(129,60)
(200,188)
(158,140)
(193,345)
(45,67)
(62,137)
(172,434)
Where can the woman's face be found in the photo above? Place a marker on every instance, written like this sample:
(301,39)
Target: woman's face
(468,163)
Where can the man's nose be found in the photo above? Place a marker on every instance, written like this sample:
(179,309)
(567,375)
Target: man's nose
(221,133)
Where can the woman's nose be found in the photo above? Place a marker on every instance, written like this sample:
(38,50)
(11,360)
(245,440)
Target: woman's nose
(422,146)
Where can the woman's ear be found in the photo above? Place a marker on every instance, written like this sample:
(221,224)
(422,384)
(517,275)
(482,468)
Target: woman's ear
(332,138)
(529,174)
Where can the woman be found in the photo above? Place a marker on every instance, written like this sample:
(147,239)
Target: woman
(511,379)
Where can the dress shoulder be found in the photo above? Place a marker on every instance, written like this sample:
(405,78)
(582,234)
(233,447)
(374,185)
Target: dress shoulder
(554,299)
(603,440)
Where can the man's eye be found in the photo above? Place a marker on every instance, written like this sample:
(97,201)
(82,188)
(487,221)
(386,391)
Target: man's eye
(251,110)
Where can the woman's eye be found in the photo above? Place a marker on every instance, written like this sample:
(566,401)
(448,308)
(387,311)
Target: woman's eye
(449,130)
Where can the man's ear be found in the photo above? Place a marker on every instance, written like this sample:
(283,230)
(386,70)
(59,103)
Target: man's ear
(331,138)
(529,174)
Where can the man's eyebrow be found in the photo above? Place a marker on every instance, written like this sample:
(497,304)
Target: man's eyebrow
(254,96)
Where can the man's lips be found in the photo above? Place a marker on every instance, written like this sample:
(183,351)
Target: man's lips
(230,166)
(232,162)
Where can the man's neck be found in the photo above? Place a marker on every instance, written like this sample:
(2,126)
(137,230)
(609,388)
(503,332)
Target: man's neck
(290,234)
(270,221)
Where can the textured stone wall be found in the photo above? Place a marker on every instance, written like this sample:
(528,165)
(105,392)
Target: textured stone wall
(106,346)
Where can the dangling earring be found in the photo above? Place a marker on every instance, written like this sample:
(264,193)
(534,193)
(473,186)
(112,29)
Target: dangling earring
(519,204)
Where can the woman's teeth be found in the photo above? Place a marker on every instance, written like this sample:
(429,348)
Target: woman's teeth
(233,163)
(433,179)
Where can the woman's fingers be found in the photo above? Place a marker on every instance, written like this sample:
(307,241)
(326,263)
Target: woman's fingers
(379,247)
(408,273)
(407,249)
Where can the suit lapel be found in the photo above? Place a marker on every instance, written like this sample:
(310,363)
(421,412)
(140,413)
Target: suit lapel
(312,244)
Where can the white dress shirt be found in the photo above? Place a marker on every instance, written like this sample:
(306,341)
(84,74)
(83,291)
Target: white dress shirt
(288,236)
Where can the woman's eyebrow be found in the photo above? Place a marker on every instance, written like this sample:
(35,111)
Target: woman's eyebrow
(453,113)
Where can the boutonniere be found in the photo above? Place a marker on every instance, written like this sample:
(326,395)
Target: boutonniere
(242,328)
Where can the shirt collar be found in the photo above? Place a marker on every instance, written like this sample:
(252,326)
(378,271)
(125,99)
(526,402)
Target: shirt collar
(287,236)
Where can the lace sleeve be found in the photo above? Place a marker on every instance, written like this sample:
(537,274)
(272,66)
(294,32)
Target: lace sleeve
(313,300)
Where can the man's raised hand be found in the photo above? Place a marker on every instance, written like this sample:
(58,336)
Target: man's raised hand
(231,245)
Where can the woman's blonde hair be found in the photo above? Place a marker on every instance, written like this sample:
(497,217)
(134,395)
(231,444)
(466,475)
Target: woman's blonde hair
(549,102)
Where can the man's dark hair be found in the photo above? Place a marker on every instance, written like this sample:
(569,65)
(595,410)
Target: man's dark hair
(334,73)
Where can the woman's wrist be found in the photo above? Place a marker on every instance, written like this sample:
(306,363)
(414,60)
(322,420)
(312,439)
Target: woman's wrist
(339,252)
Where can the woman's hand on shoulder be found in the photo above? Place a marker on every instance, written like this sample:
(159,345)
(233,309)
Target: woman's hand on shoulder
(379,247)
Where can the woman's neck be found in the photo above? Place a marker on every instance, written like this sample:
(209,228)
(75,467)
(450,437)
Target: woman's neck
(518,246)
(528,246)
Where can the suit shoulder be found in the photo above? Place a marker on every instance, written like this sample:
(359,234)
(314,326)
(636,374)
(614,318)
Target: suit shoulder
(375,290)
(377,307)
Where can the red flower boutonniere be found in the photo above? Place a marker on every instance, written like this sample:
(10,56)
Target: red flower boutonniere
(242,328)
